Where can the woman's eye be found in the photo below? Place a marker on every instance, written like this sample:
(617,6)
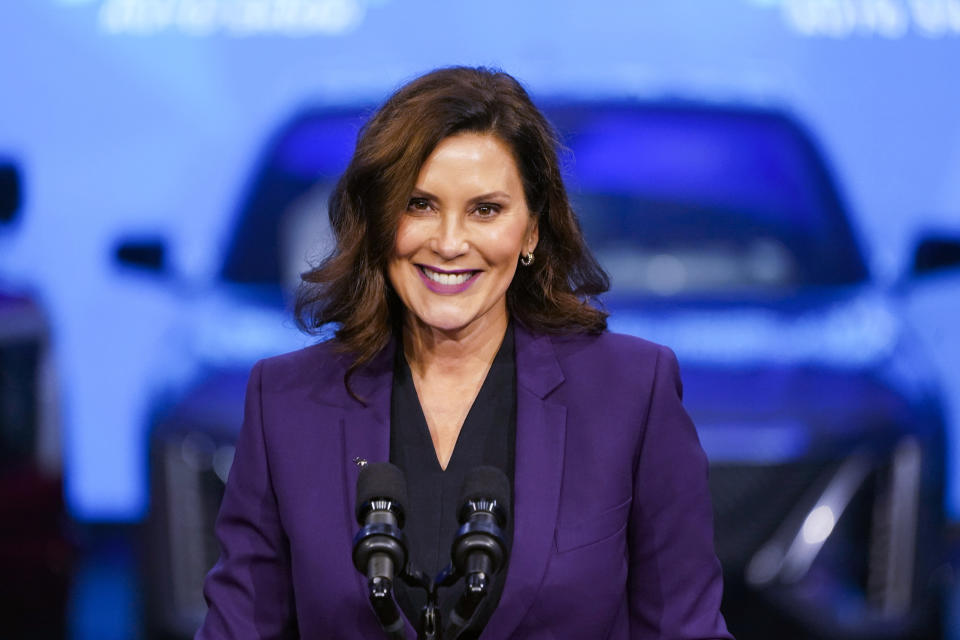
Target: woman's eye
(418,204)
(487,210)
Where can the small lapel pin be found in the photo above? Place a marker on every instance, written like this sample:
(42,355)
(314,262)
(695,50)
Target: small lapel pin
(360,462)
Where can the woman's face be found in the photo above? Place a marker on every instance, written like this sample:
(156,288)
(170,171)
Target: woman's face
(459,240)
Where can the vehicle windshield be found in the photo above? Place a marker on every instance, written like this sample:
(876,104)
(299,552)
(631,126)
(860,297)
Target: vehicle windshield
(674,200)
(667,248)
(697,201)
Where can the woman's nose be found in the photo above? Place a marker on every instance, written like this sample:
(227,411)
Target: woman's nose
(450,239)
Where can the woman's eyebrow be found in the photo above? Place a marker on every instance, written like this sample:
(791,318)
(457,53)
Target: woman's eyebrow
(493,195)
(420,193)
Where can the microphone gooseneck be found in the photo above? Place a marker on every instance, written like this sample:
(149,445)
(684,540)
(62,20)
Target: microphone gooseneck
(479,550)
(380,547)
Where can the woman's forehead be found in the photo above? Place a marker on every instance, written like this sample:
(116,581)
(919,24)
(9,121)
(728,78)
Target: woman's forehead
(481,160)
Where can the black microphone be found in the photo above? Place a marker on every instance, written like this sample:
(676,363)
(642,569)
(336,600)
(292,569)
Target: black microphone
(380,547)
(479,550)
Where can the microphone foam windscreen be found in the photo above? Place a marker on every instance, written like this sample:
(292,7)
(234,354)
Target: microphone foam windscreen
(489,483)
(381,480)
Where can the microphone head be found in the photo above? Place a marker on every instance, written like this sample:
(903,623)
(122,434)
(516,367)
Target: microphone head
(380,481)
(488,484)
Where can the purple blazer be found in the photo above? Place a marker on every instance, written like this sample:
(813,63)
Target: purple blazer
(613,532)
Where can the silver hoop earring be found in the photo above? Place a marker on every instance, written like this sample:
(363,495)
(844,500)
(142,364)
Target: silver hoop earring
(527,260)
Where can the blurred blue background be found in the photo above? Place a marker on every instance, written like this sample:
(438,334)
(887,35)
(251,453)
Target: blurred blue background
(149,117)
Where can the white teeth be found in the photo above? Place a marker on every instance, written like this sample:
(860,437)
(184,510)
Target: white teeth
(447,278)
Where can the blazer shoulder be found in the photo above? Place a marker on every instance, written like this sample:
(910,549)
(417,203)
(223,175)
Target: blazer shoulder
(612,363)
(318,365)
(613,348)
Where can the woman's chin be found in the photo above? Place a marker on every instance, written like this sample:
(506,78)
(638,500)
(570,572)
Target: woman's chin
(445,325)
(454,323)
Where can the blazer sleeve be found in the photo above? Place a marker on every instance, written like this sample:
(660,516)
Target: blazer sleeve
(674,579)
(249,591)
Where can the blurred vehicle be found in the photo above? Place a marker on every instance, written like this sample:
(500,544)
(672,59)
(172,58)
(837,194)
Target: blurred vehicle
(726,239)
(35,553)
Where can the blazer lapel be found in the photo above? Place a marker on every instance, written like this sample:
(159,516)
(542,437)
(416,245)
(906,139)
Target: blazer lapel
(366,427)
(541,433)
(366,435)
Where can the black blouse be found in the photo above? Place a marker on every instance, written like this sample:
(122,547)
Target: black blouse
(487,437)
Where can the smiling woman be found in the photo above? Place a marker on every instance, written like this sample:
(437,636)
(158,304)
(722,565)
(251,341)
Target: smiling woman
(461,237)
(421,133)
(470,355)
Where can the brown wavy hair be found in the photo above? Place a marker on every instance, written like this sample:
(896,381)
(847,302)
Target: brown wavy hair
(556,294)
